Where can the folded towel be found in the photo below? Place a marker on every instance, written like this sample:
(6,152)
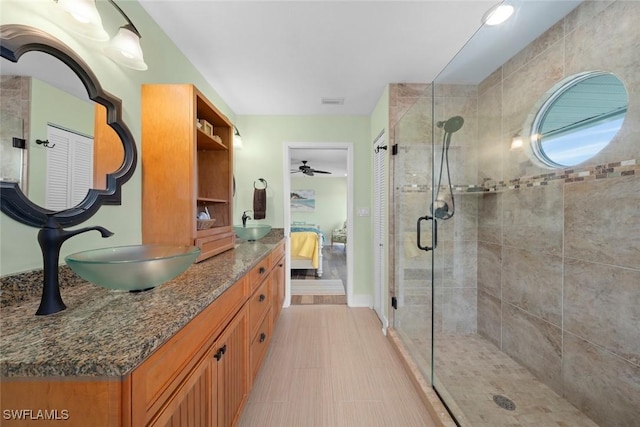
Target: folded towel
(259,203)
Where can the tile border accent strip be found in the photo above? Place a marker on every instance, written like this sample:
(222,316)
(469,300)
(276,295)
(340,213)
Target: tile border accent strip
(565,176)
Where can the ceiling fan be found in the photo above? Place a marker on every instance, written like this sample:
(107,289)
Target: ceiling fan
(308,170)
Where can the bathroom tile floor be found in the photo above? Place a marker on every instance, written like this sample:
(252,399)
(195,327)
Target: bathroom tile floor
(470,371)
(330,365)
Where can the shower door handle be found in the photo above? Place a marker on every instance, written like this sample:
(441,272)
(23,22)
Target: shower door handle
(435,233)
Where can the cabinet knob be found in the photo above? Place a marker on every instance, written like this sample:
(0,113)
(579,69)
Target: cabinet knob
(262,297)
(261,270)
(263,337)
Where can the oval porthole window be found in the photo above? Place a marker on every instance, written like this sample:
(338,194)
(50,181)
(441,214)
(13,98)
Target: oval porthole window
(578,118)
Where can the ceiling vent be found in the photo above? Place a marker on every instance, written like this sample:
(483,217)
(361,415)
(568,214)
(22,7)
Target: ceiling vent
(332,101)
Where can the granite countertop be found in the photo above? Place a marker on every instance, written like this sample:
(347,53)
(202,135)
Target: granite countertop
(105,333)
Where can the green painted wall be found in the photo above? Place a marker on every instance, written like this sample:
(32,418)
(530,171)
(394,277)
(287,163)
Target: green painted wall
(19,250)
(264,137)
(331,202)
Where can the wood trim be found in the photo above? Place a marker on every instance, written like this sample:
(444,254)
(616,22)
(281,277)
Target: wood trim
(77,402)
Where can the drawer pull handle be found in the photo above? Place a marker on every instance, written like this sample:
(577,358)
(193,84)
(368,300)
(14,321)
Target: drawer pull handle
(262,297)
(262,270)
(263,337)
(221,351)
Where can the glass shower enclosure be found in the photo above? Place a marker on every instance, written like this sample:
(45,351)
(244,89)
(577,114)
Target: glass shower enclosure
(502,293)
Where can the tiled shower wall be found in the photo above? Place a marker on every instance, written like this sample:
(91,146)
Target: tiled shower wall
(559,251)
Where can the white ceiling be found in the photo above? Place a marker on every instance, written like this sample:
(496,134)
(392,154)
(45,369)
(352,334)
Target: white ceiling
(282,57)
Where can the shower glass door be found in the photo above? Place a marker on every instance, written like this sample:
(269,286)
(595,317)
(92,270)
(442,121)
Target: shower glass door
(411,118)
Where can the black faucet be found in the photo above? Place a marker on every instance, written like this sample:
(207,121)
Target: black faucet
(245,217)
(51,237)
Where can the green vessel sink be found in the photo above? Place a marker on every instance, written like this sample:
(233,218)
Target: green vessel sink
(252,232)
(132,268)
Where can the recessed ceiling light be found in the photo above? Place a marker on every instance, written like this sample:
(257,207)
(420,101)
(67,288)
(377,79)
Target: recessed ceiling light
(497,14)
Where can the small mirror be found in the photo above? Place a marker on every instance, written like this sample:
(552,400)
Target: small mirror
(80,151)
(577,119)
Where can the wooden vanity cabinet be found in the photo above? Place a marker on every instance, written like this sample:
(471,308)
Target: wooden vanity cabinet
(279,276)
(203,375)
(182,378)
(186,168)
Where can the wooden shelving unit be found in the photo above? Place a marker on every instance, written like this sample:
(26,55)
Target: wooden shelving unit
(185,170)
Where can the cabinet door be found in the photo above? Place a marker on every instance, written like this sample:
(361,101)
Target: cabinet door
(231,357)
(194,402)
(278,286)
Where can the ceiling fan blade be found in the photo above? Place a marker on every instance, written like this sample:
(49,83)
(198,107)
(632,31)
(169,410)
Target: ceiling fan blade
(317,171)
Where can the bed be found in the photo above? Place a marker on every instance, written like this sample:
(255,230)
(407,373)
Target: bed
(306,248)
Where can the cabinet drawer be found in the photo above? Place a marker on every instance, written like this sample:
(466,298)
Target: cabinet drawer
(260,344)
(259,272)
(258,305)
(215,244)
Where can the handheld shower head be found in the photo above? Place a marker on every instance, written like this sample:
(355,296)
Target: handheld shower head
(452,125)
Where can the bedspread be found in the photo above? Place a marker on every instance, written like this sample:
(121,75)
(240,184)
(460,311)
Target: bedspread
(305,244)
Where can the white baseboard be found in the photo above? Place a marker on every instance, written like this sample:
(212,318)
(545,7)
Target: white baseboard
(361,300)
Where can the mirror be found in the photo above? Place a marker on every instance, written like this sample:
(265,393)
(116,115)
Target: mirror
(66,77)
(41,99)
(577,119)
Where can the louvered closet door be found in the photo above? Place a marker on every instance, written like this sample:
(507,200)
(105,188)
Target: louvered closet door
(379,224)
(69,172)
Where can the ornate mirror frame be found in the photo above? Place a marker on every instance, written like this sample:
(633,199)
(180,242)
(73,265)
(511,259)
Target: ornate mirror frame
(17,40)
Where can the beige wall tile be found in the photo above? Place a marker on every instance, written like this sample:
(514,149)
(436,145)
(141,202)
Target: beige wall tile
(489,268)
(602,305)
(490,218)
(553,35)
(532,281)
(534,343)
(533,218)
(602,385)
(489,318)
(601,221)
(459,310)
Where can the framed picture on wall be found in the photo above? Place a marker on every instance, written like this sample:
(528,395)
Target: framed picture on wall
(303,200)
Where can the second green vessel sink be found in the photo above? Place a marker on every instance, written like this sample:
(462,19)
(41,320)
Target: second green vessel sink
(252,232)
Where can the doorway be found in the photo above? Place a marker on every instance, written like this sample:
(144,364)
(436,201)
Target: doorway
(318,185)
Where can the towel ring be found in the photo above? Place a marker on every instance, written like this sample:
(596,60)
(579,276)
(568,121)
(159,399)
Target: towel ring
(262,180)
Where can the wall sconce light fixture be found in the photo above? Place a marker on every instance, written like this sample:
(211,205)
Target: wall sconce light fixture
(237,139)
(123,49)
(516,142)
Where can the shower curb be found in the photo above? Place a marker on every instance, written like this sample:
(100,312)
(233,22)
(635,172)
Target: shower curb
(428,396)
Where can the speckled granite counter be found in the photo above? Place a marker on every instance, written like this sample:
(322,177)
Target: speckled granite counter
(109,333)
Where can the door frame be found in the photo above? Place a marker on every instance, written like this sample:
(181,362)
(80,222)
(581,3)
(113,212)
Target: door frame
(348,146)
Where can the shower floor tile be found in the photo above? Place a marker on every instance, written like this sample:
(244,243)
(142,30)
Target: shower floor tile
(471,370)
